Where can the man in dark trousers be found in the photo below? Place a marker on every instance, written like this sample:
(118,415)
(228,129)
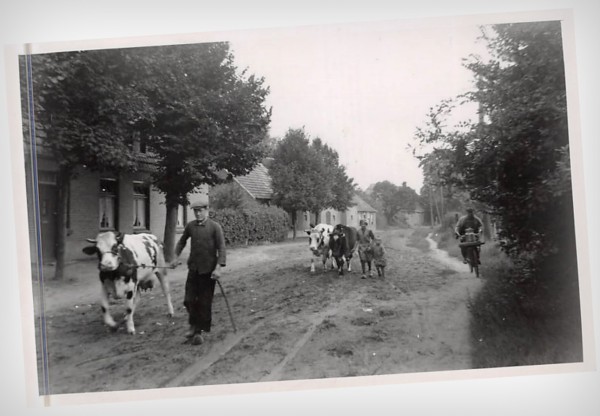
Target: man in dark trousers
(207,257)
(365,251)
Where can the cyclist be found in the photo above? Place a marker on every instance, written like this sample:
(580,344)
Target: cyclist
(465,222)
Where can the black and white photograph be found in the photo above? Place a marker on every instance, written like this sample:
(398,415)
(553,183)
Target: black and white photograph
(289,207)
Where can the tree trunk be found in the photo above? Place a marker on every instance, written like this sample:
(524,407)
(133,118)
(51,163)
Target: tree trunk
(63,183)
(487,226)
(442,204)
(170,228)
(430,208)
(437,209)
(294,219)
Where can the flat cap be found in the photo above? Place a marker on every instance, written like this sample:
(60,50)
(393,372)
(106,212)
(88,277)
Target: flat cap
(199,201)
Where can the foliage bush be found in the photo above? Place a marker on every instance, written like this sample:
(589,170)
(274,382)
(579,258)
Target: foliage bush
(252,225)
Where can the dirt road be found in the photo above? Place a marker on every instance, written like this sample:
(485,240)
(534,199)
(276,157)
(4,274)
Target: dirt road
(291,324)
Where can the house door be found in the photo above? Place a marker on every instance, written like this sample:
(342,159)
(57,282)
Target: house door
(48,217)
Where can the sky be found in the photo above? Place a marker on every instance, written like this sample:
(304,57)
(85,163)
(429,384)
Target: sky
(362,88)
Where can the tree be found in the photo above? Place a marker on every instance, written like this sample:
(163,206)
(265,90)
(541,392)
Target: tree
(385,192)
(82,105)
(335,185)
(307,176)
(204,117)
(227,195)
(515,160)
(518,156)
(293,174)
(394,198)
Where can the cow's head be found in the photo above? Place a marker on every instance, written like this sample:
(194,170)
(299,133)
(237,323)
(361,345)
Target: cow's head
(335,235)
(318,237)
(106,246)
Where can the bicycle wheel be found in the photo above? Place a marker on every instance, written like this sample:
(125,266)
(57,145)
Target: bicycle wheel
(473,263)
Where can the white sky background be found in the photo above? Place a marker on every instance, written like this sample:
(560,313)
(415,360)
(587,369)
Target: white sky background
(363,88)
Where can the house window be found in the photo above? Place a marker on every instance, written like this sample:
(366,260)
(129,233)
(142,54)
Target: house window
(141,206)
(108,203)
(181,216)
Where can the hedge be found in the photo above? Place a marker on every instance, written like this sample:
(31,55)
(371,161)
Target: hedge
(252,225)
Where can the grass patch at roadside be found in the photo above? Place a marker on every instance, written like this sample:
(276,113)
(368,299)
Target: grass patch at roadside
(520,321)
(516,322)
(418,239)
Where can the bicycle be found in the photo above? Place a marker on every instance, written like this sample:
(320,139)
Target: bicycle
(470,241)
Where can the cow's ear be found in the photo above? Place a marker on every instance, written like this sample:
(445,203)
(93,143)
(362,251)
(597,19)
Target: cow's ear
(89,250)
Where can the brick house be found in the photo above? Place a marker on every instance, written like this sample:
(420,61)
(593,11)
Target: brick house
(97,201)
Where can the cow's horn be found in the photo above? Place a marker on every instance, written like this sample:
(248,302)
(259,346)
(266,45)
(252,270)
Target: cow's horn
(91,240)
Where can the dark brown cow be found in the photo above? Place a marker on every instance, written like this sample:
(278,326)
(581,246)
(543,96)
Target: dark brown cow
(343,242)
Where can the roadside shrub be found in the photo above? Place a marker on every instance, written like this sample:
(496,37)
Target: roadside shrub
(516,321)
(252,225)
(450,219)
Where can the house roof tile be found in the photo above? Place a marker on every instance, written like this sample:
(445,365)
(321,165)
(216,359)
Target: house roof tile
(257,183)
(361,205)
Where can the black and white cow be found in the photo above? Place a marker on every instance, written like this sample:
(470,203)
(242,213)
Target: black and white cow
(318,240)
(127,264)
(343,243)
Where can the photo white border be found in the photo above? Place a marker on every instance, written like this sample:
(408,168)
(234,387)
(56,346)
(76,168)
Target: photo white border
(579,179)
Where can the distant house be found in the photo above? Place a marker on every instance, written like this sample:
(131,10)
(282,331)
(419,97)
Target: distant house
(257,184)
(413,218)
(359,210)
(364,211)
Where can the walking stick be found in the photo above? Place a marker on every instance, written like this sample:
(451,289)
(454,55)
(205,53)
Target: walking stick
(227,303)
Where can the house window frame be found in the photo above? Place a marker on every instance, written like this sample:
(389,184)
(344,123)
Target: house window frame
(141,196)
(108,195)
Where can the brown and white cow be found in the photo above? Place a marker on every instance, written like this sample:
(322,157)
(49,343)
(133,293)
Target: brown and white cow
(318,240)
(127,264)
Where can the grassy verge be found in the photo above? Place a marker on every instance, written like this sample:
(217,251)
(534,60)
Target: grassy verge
(521,321)
(417,239)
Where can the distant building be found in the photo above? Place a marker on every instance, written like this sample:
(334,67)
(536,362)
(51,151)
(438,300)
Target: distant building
(257,184)
(413,218)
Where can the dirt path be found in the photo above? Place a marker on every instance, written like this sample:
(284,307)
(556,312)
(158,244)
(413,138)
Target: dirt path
(291,324)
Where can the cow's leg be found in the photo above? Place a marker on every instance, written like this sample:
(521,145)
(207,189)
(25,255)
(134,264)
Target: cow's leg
(108,319)
(164,284)
(340,264)
(132,299)
(348,260)
(312,264)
